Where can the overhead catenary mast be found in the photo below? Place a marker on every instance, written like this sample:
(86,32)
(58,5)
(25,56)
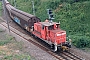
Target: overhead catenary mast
(33,7)
(15,3)
(11,1)
(3,1)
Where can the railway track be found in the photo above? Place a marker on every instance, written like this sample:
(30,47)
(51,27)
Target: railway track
(59,56)
(70,56)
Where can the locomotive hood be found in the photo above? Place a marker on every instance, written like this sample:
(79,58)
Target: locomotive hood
(58,36)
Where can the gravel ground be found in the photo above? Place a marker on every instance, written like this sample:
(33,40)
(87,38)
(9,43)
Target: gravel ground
(31,49)
(81,53)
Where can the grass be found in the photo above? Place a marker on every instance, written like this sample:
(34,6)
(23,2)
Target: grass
(86,49)
(12,55)
(1,30)
(10,49)
(8,39)
(16,57)
(0,8)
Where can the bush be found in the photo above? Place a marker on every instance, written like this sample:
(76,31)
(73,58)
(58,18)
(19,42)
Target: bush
(73,1)
(8,39)
(54,4)
(80,41)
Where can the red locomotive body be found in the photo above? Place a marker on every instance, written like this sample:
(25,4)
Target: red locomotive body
(58,36)
(50,33)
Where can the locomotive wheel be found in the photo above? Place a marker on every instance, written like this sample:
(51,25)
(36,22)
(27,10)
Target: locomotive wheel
(54,48)
(70,46)
(59,49)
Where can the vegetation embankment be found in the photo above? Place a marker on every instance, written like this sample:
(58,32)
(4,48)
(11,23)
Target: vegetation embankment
(72,14)
(10,49)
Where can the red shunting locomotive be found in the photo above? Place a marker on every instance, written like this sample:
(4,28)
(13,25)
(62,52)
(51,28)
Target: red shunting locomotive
(51,33)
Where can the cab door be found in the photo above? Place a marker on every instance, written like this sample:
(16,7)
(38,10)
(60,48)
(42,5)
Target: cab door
(43,32)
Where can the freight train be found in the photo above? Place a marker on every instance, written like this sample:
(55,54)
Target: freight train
(49,32)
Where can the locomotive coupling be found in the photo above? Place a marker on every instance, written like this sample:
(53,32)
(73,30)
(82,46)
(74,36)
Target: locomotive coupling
(64,48)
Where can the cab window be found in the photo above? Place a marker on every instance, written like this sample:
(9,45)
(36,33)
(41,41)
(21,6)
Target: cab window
(50,27)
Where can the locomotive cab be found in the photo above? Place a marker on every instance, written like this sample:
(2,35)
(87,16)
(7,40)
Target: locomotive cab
(51,34)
